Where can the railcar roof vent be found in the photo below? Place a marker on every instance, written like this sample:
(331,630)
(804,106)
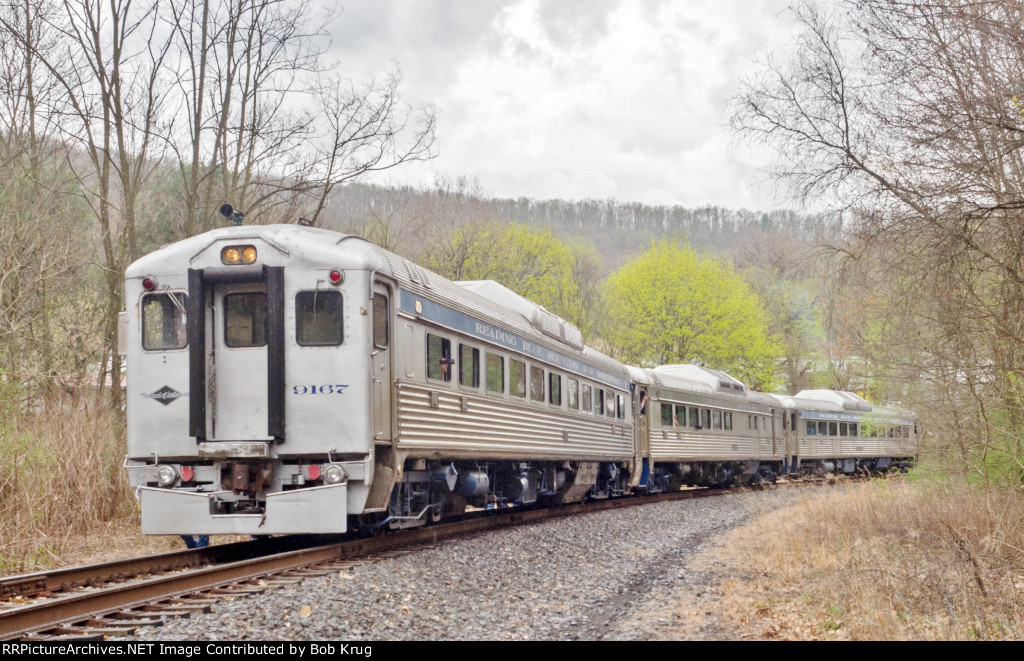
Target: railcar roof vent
(545,322)
(417,274)
(716,380)
(849,401)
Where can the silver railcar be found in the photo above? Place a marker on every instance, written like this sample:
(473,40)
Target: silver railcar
(839,431)
(290,379)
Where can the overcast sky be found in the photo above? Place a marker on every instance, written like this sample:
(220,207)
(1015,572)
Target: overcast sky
(573,99)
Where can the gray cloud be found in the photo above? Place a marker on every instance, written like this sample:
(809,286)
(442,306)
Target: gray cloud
(575,98)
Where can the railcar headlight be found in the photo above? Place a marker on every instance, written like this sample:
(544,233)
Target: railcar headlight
(334,474)
(165,476)
(238,255)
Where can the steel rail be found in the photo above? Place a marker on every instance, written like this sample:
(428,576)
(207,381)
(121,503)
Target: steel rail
(70,610)
(57,580)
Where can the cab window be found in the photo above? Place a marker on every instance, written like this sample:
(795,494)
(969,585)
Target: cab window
(318,320)
(163,322)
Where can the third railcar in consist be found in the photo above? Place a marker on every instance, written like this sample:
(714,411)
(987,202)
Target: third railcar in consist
(289,379)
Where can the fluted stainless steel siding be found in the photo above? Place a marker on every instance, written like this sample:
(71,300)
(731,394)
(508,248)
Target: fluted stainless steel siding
(706,445)
(498,428)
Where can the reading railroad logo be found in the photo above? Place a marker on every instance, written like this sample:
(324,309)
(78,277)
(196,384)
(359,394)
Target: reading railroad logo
(166,395)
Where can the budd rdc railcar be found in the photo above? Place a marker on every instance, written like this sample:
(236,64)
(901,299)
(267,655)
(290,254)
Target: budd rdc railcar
(288,379)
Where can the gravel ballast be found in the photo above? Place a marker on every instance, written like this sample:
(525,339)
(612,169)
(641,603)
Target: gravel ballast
(605,575)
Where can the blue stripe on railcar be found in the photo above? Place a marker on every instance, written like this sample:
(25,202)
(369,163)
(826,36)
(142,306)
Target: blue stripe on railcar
(463,323)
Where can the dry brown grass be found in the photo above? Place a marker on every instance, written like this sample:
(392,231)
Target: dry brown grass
(63,492)
(883,560)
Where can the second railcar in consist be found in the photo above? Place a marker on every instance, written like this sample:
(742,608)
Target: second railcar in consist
(287,379)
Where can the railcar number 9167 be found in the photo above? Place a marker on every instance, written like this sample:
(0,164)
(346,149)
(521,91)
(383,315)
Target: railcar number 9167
(319,390)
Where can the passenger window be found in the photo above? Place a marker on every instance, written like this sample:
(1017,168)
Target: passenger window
(755,422)
(810,428)
(681,416)
(727,420)
(620,407)
(163,322)
(599,403)
(245,320)
(516,378)
(554,389)
(694,420)
(717,418)
(469,366)
(588,397)
(380,321)
(842,429)
(706,415)
(666,415)
(610,403)
(822,429)
(574,394)
(439,358)
(536,383)
(853,429)
(495,373)
(318,320)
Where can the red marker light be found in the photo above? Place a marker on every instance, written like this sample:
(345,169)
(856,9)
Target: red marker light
(313,471)
(187,473)
(335,277)
(149,284)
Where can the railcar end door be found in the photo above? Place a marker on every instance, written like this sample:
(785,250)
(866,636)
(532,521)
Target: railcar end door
(237,405)
(380,354)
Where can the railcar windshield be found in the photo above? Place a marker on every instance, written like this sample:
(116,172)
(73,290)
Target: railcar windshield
(318,318)
(163,321)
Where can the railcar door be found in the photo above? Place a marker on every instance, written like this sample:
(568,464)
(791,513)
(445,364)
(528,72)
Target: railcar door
(642,407)
(380,356)
(238,363)
(236,353)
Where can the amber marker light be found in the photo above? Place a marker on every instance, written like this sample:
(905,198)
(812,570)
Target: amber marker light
(248,255)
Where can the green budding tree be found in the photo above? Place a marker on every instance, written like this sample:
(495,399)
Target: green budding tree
(670,305)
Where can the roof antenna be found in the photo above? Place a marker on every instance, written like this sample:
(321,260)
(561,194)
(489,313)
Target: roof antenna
(234,215)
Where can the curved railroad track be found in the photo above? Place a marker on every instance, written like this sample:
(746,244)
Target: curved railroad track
(114,598)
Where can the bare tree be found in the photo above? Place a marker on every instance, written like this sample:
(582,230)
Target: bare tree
(907,116)
(365,130)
